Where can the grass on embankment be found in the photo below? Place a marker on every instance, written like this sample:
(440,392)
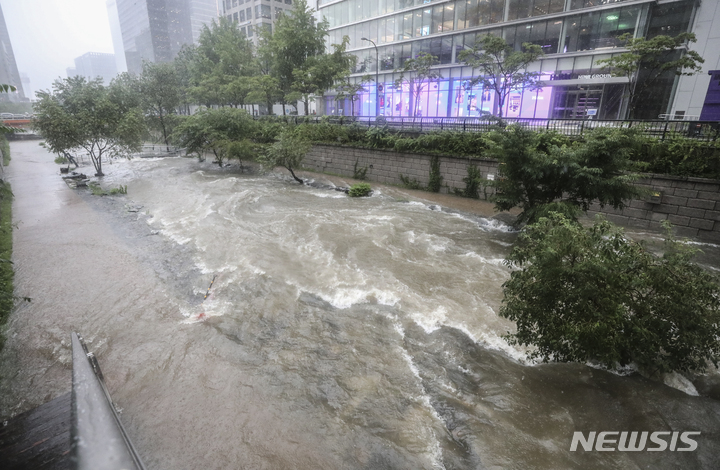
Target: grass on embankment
(6,267)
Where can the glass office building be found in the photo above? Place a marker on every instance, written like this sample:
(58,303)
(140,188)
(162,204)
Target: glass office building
(156,30)
(253,14)
(574,34)
(8,67)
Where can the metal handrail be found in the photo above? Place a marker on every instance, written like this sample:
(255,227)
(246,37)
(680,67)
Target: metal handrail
(99,440)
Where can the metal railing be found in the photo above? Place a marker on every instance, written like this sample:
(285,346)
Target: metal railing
(700,130)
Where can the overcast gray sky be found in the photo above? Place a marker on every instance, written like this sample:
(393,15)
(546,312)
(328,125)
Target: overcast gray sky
(47,35)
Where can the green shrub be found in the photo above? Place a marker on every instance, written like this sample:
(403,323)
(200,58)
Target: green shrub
(5,150)
(591,294)
(359,173)
(435,179)
(410,184)
(6,268)
(60,160)
(473,181)
(119,190)
(359,190)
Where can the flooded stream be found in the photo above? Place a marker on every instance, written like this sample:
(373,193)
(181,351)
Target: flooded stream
(340,333)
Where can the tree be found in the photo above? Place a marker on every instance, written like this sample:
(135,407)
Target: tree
(594,295)
(647,60)
(294,48)
(3,128)
(160,91)
(221,65)
(265,90)
(502,69)
(105,122)
(184,64)
(288,152)
(541,171)
(417,73)
(215,130)
(351,90)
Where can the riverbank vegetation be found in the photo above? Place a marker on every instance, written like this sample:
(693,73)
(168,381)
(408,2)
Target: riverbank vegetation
(593,295)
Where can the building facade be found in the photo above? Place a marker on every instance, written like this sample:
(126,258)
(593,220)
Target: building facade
(95,64)
(8,67)
(156,30)
(574,35)
(250,15)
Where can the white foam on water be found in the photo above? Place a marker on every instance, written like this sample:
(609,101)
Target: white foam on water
(342,298)
(493,261)
(434,446)
(711,245)
(180,240)
(329,195)
(491,340)
(430,321)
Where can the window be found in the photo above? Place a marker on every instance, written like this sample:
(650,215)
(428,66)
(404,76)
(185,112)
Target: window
(289,2)
(248,14)
(234,3)
(278,12)
(670,19)
(263,11)
(235,17)
(473,13)
(242,30)
(590,3)
(242,16)
(599,30)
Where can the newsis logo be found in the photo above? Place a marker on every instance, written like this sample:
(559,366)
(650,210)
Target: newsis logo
(659,441)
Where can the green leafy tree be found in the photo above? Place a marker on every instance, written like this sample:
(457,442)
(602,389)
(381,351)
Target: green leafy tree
(3,128)
(417,73)
(219,131)
(595,295)
(221,65)
(647,60)
(105,122)
(288,152)
(295,50)
(346,88)
(265,90)
(502,68)
(159,88)
(540,171)
(184,65)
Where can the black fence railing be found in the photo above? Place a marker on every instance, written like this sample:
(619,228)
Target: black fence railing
(700,130)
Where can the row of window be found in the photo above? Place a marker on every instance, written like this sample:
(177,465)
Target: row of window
(563,68)
(485,11)
(589,31)
(235,3)
(443,18)
(261,11)
(455,97)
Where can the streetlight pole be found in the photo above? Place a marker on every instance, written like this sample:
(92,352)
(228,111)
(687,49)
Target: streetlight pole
(377,85)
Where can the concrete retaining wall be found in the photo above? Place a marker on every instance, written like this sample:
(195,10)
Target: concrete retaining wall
(691,204)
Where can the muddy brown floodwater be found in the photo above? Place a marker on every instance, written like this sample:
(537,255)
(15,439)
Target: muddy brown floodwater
(339,334)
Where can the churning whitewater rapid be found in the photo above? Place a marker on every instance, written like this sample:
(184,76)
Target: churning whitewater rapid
(357,333)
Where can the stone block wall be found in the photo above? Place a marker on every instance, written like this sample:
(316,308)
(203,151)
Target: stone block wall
(692,205)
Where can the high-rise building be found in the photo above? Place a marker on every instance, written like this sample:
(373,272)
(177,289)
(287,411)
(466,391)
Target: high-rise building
(116,34)
(95,64)
(156,30)
(574,34)
(250,15)
(8,67)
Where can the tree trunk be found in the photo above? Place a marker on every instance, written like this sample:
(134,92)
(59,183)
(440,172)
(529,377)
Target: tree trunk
(293,175)
(305,102)
(164,130)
